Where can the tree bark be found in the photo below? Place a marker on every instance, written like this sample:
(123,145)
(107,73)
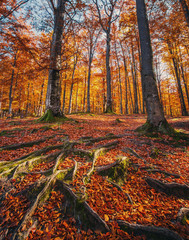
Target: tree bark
(53,96)
(108,72)
(185,10)
(89,81)
(11,85)
(154,109)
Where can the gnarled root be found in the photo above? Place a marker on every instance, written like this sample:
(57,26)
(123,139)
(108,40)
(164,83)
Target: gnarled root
(175,189)
(150,232)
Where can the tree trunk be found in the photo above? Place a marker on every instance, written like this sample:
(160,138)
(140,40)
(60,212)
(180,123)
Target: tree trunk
(180,92)
(108,72)
(84,93)
(64,97)
(72,84)
(89,82)
(185,10)
(134,76)
(155,116)
(11,85)
(53,102)
(120,87)
(40,100)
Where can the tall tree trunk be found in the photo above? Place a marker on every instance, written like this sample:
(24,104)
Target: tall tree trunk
(108,72)
(76,99)
(40,100)
(155,115)
(134,74)
(27,100)
(72,84)
(84,92)
(120,87)
(11,85)
(126,79)
(185,10)
(53,102)
(180,92)
(64,97)
(89,82)
(104,95)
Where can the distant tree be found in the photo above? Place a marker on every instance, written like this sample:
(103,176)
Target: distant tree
(106,13)
(155,116)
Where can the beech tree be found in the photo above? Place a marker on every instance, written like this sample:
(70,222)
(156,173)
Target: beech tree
(155,117)
(106,14)
(53,103)
(185,10)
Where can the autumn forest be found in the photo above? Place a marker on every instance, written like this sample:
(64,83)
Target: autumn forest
(94,106)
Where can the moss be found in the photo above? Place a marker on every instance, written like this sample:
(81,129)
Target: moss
(118,120)
(151,130)
(48,117)
(119,172)
(185,219)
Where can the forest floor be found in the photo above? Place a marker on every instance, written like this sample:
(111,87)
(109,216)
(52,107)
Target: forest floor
(136,200)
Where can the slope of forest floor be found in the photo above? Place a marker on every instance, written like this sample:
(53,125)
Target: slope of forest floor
(162,158)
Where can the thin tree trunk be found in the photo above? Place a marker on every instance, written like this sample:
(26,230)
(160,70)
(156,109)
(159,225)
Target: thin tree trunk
(104,95)
(84,92)
(76,99)
(11,85)
(88,82)
(40,100)
(134,74)
(180,92)
(72,84)
(28,95)
(108,72)
(120,87)
(64,96)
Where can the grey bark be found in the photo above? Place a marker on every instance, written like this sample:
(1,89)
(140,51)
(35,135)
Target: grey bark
(89,80)
(178,80)
(120,87)
(106,20)
(154,109)
(84,97)
(72,84)
(185,10)
(53,102)
(108,72)
(64,97)
(11,85)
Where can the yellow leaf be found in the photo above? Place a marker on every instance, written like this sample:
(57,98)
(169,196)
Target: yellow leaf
(141,209)
(106,218)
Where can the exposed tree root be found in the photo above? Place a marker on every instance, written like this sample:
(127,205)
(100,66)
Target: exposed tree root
(25,144)
(116,171)
(9,133)
(75,203)
(164,172)
(82,211)
(150,232)
(151,130)
(49,117)
(183,215)
(90,142)
(118,187)
(39,192)
(175,189)
(130,150)
(21,231)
